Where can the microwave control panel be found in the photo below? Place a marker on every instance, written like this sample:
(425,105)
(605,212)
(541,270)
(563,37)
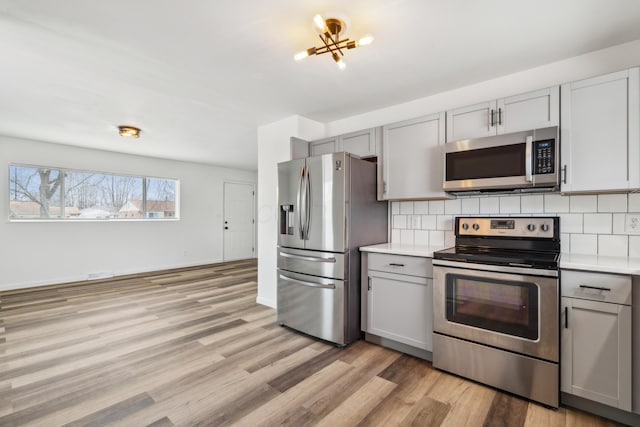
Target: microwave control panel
(544,156)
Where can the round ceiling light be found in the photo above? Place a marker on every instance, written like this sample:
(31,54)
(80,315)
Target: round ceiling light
(129,131)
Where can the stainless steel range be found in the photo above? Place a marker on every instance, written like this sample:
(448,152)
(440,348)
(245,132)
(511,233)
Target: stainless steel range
(496,304)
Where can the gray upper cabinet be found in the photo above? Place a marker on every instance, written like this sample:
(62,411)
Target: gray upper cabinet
(412,159)
(324,146)
(364,143)
(473,121)
(600,133)
(526,111)
(299,148)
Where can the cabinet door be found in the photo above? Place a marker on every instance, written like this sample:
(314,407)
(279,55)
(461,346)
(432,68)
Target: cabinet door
(533,110)
(323,146)
(600,133)
(474,121)
(400,308)
(299,148)
(362,143)
(596,351)
(412,158)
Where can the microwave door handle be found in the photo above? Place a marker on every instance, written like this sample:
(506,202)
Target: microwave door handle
(528,159)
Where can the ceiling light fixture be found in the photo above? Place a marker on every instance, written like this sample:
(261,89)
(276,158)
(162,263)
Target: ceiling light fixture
(129,131)
(329,32)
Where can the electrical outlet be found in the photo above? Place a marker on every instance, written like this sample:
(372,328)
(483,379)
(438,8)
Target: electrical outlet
(632,224)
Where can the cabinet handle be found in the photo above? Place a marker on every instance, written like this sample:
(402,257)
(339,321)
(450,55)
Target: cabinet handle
(492,118)
(368,283)
(393,264)
(564,174)
(598,288)
(566,317)
(500,116)
(384,187)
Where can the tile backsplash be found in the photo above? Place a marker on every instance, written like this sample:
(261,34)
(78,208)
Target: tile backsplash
(589,224)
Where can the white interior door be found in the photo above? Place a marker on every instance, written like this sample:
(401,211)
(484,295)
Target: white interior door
(239,222)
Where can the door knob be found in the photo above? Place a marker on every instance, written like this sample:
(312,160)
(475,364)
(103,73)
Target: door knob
(226,222)
(226,228)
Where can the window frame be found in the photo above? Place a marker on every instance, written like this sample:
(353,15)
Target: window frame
(63,171)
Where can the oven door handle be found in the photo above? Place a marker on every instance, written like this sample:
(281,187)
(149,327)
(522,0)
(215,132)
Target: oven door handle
(528,160)
(597,288)
(495,268)
(518,264)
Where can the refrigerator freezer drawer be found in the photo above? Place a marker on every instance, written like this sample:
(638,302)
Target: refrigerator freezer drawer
(325,264)
(313,305)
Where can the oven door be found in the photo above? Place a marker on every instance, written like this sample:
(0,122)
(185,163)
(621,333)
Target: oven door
(501,308)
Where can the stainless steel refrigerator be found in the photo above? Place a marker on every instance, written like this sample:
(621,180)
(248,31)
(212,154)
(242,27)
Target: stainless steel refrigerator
(327,209)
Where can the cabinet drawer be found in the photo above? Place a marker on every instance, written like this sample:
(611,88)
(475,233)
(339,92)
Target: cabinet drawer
(401,264)
(612,288)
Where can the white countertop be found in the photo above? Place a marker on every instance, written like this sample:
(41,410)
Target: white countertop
(398,249)
(605,264)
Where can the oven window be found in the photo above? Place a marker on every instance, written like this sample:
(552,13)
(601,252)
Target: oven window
(496,305)
(493,162)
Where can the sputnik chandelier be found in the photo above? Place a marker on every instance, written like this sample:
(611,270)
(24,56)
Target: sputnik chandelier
(329,31)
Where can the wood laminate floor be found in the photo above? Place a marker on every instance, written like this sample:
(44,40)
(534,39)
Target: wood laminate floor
(191,347)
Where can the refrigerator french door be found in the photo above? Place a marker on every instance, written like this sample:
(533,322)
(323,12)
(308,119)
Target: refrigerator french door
(327,208)
(312,195)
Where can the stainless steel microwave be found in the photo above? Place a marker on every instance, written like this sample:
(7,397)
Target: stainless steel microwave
(525,161)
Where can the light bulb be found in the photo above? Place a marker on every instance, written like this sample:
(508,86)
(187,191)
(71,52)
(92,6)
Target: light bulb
(300,55)
(341,64)
(319,22)
(365,41)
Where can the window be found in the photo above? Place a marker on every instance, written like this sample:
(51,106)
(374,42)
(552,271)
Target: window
(38,192)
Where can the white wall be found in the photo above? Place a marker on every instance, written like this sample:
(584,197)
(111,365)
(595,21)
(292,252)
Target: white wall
(276,138)
(36,253)
(274,147)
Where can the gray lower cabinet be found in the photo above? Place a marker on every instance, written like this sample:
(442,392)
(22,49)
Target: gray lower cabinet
(596,337)
(398,299)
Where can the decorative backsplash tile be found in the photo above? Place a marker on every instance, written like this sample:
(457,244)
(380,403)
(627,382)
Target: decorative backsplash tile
(589,224)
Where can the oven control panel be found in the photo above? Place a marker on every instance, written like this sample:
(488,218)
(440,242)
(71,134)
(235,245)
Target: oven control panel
(536,227)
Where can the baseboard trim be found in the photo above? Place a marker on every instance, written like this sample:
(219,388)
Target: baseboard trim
(117,274)
(398,346)
(600,409)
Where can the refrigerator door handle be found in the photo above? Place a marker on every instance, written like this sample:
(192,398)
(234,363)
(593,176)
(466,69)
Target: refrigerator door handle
(299,202)
(307,200)
(310,284)
(308,258)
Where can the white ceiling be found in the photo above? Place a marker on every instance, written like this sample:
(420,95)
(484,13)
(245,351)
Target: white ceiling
(200,76)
